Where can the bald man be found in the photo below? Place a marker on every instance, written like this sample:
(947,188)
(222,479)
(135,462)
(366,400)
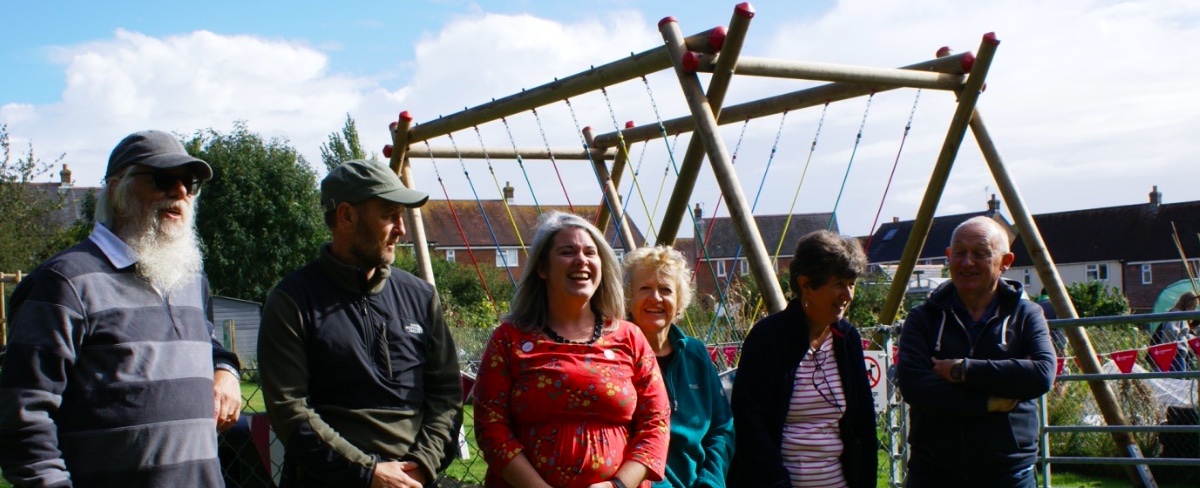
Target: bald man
(973,358)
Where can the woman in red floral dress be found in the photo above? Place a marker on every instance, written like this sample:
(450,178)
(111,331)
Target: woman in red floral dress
(568,394)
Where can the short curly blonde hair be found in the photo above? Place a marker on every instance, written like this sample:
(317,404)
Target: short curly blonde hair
(668,263)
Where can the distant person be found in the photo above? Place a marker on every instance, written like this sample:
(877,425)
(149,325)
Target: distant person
(113,377)
(358,369)
(1057,336)
(1177,331)
(802,403)
(569,395)
(973,360)
(657,282)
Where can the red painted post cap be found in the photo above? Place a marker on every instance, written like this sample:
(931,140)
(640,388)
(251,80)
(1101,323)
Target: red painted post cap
(628,124)
(990,38)
(716,38)
(690,62)
(387,151)
(666,20)
(406,116)
(968,60)
(393,126)
(944,51)
(744,9)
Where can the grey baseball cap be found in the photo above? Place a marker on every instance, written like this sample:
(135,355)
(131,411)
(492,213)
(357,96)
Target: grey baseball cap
(357,180)
(156,149)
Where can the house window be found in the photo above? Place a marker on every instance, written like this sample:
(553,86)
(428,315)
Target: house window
(1028,277)
(450,255)
(720,268)
(620,254)
(745,266)
(506,258)
(1097,272)
(1147,275)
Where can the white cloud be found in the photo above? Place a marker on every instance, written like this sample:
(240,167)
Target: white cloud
(1089,101)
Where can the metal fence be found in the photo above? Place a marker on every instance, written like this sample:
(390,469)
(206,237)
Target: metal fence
(1160,405)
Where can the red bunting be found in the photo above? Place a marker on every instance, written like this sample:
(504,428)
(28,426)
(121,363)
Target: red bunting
(866,344)
(730,355)
(1124,359)
(1061,363)
(712,354)
(895,355)
(1163,354)
(1195,343)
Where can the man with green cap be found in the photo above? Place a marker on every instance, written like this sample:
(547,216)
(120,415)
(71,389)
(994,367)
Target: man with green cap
(358,368)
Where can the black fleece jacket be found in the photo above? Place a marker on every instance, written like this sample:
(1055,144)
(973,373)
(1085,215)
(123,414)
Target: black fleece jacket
(762,392)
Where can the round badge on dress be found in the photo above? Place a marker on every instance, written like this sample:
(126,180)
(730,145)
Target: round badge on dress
(608,354)
(527,346)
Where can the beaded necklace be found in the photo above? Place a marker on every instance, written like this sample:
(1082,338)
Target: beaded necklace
(596,330)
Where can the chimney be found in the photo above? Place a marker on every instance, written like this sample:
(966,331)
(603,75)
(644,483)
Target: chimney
(895,220)
(698,212)
(1155,197)
(508,192)
(64,176)
(993,205)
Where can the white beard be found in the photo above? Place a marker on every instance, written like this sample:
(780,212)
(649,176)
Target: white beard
(168,252)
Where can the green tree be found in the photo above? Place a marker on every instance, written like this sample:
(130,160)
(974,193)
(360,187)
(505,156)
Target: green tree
(25,239)
(1096,299)
(343,146)
(463,296)
(260,217)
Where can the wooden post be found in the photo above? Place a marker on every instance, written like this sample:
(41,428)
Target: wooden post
(689,169)
(937,179)
(808,97)
(622,156)
(739,208)
(863,75)
(611,197)
(1081,345)
(635,65)
(506,153)
(416,225)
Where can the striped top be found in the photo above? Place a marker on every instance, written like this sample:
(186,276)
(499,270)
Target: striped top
(812,440)
(107,382)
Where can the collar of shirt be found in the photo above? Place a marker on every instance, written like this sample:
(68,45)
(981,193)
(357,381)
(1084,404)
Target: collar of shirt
(117,251)
(965,315)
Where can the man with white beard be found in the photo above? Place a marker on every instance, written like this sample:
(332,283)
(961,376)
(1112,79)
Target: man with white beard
(113,377)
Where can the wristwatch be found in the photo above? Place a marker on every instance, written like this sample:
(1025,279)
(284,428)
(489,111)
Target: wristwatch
(957,371)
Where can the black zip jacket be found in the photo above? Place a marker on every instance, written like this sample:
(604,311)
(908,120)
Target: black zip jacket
(762,392)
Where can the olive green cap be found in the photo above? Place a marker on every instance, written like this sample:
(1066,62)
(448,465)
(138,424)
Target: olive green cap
(357,180)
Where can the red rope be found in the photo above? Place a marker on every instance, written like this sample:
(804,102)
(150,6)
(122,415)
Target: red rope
(468,244)
(907,128)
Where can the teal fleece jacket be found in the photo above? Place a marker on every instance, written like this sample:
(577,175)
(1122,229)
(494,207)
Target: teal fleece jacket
(701,420)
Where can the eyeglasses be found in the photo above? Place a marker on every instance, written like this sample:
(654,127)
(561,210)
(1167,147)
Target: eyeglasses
(819,358)
(165,181)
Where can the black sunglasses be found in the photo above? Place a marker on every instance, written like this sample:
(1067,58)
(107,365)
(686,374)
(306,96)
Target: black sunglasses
(165,181)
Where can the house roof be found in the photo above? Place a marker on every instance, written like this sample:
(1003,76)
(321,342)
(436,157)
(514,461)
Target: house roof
(66,203)
(887,243)
(1127,233)
(441,229)
(723,242)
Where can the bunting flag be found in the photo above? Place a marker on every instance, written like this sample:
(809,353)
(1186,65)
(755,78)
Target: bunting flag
(895,355)
(866,344)
(1195,343)
(730,355)
(1124,359)
(1163,354)
(1061,362)
(712,354)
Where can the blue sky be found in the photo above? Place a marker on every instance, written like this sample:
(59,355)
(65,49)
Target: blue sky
(1090,101)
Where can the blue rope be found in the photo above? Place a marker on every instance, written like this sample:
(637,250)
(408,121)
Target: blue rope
(857,140)
(521,163)
(486,221)
(587,150)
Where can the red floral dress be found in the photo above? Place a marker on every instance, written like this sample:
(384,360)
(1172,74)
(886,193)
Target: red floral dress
(576,411)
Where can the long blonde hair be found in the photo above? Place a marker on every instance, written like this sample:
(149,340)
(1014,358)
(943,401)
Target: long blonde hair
(530,304)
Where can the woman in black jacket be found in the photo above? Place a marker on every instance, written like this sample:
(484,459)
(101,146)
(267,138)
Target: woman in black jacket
(802,404)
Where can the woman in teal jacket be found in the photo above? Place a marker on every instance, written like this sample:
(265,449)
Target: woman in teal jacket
(658,288)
